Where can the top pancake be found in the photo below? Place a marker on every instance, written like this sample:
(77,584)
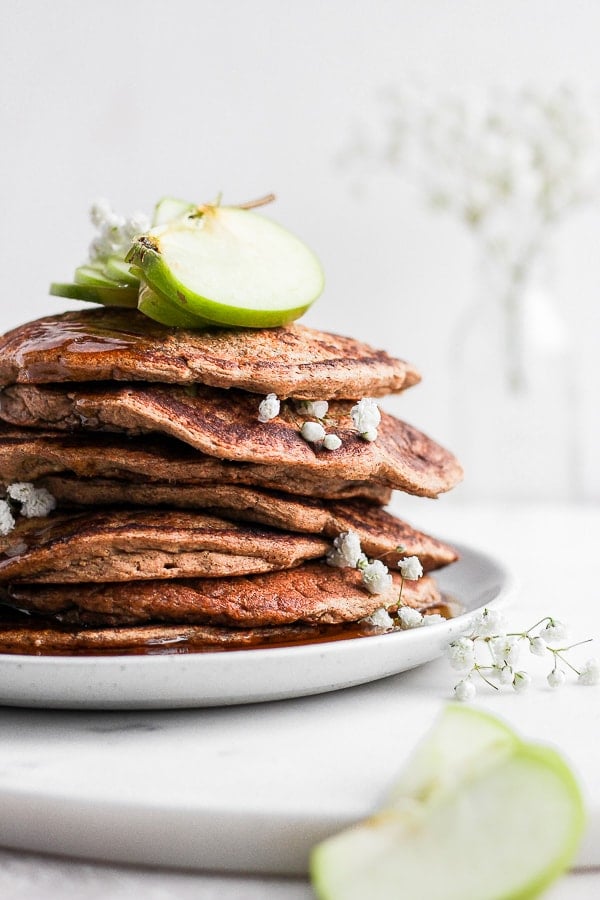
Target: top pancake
(112,344)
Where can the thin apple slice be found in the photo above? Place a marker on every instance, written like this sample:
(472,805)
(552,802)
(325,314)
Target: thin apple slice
(170,208)
(230,266)
(108,296)
(120,271)
(94,276)
(504,824)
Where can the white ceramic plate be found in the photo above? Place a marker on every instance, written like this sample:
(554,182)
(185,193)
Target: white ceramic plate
(250,676)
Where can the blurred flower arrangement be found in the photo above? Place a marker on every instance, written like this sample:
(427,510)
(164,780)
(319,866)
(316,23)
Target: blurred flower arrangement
(509,165)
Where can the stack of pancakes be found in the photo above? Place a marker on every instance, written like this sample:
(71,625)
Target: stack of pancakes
(182,521)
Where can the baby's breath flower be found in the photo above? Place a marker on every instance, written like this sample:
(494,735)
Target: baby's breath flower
(505,675)
(409,617)
(316,408)
(489,622)
(465,690)
(268,408)
(7,520)
(366,417)
(370,435)
(100,212)
(521,682)
(380,619)
(556,678)
(461,653)
(554,632)
(505,650)
(411,568)
(590,672)
(537,646)
(376,578)
(346,551)
(332,442)
(116,233)
(34,501)
(433,619)
(313,432)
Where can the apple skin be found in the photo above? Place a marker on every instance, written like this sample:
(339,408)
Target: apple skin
(163,310)
(473,834)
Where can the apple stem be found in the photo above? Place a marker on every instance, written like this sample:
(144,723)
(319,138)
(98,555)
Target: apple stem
(261,201)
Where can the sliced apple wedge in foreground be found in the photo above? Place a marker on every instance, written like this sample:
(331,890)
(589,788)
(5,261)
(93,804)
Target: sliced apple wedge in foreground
(229,266)
(478,815)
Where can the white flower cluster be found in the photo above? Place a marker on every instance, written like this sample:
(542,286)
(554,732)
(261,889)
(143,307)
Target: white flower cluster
(366,418)
(488,630)
(116,233)
(506,163)
(347,553)
(34,502)
(314,432)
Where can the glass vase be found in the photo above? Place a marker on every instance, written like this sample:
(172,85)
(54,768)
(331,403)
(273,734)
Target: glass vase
(514,403)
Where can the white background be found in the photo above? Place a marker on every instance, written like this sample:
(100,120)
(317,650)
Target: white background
(135,100)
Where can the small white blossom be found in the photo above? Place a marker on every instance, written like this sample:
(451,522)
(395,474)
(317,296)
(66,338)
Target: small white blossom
(590,672)
(411,568)
(7,521)
(346,553)
(380,619)
(376,577)
(370,435)
(366,417)
(115,232)
(34,501)
(505,650)
(332,442)
(465,690)
(268,408)
(313,432)
(537,646)
(135,225)
(433,619)
(556,678)
(316,408)
(521,682)
(489,622)
(409,618)
(554,632)
(505,675)
(461,654)
(100,212)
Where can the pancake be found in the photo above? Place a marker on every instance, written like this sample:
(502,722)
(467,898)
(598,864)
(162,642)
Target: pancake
(380,532)
(134,545)
(27,455)
(224,424)
(315,593)
(124,345)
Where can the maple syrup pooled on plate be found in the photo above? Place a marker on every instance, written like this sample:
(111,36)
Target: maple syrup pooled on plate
(21,633)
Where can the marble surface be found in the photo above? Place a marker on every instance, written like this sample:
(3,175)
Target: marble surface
(295,769)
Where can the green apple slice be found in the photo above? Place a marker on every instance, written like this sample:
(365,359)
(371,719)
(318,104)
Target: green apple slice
(163,310)
(230,266)
(170,208)
(94,276)
(97,293)
(120,271)
(495,819)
